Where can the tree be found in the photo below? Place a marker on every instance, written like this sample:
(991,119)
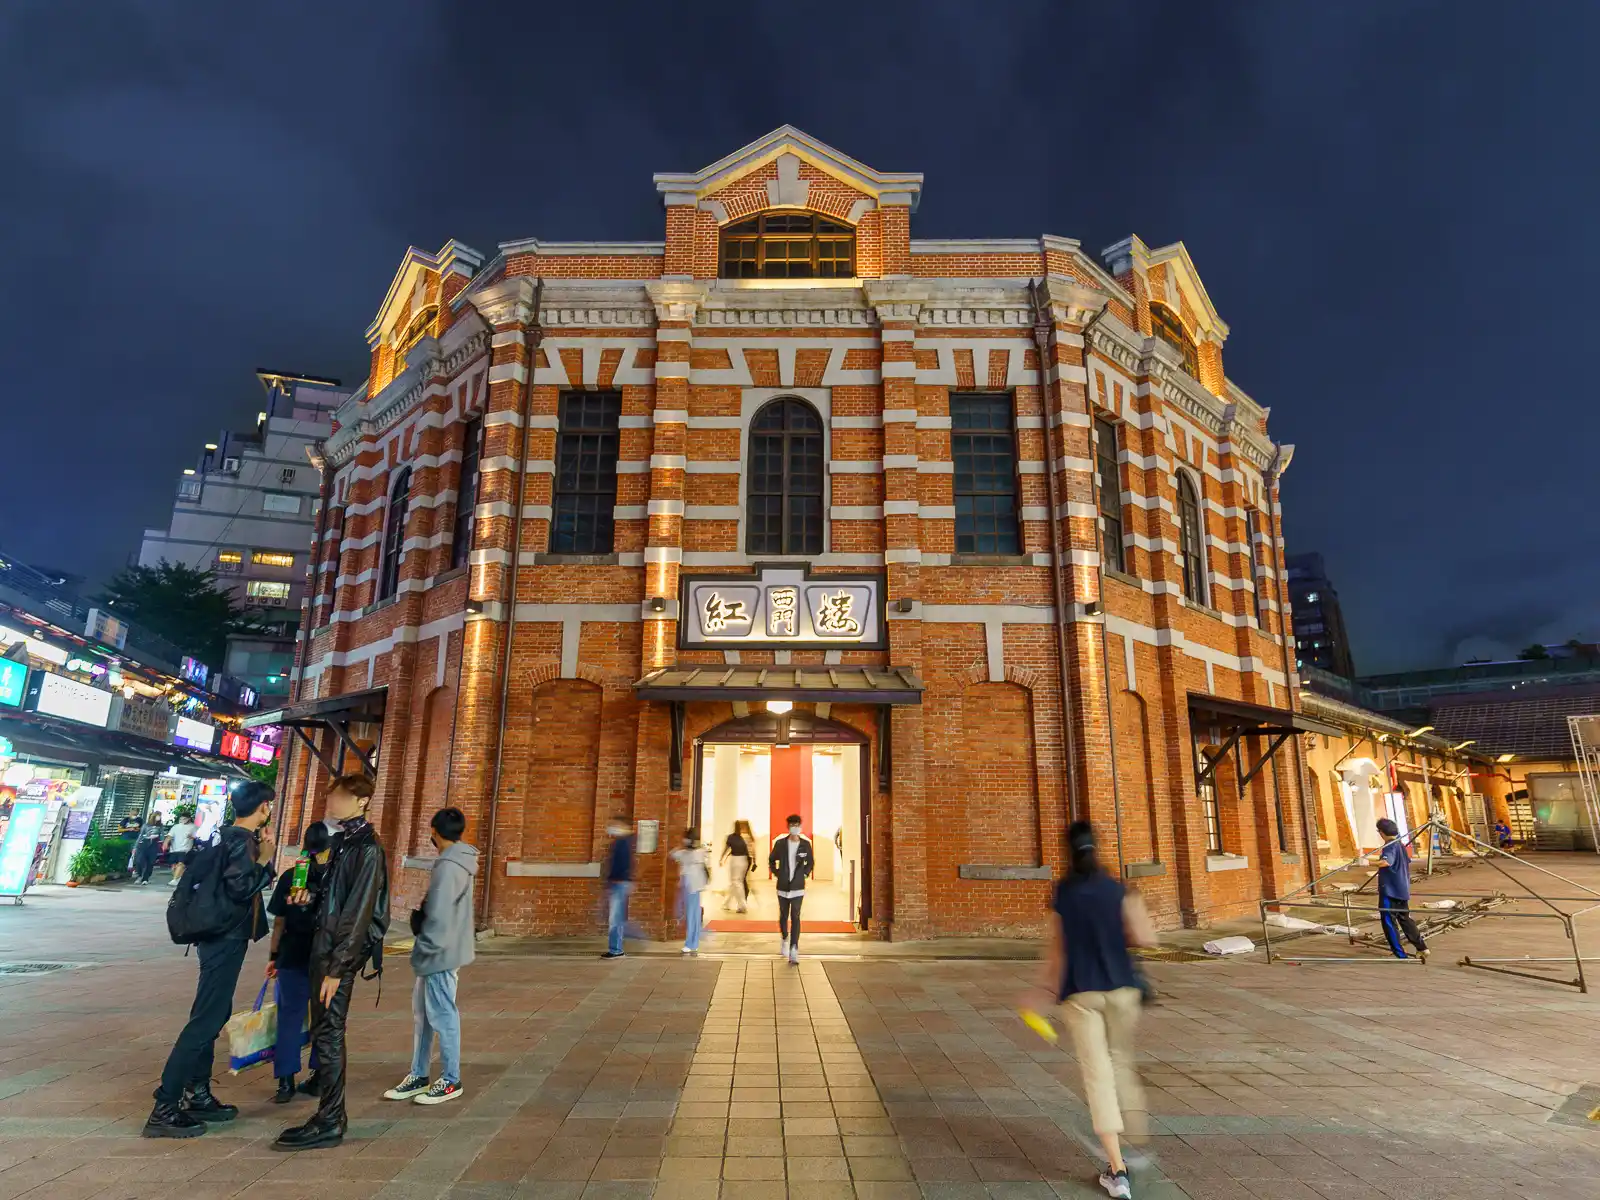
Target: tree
(180,603)
(1533,651)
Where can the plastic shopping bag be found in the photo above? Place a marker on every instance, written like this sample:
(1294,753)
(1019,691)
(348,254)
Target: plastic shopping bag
(252,1034)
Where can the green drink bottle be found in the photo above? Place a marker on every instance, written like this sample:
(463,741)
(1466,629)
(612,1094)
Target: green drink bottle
(302,873)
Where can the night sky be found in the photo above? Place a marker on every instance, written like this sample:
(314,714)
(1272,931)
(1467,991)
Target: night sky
(1391,203)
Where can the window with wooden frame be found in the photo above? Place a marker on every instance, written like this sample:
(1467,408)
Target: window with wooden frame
(983,445)
(1192,543)
(788,245)
(783,510)
(1169,328)
(394,535)
(467,493)
(1107,451)
(584,520)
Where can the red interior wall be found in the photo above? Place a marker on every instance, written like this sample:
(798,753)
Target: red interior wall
(791,788)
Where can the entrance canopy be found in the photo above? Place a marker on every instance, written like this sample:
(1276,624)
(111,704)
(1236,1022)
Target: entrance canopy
(827,685)
(335,713)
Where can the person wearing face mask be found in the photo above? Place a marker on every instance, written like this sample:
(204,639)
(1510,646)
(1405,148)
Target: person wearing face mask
(791,862)
(619,883)
(289,964)
(352,918)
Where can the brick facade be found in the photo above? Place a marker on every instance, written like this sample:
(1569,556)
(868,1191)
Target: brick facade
(986,770)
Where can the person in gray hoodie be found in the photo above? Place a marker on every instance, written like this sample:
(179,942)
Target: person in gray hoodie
(444,944)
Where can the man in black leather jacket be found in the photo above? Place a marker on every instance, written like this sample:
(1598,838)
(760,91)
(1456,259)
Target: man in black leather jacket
(352,918)
(184,1103)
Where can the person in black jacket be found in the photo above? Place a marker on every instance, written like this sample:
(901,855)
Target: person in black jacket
(791,861)
(184,1103)
(352,918)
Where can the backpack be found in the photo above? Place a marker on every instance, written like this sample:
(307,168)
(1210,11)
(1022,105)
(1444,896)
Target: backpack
(199,909)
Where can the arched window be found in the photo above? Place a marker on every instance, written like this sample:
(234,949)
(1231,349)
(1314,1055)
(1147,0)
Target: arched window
(1192,543)
(784,513)
(394,535)
(1170,330)
(788,245)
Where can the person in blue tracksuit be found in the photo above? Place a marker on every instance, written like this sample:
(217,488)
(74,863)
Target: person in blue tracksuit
(1394,893)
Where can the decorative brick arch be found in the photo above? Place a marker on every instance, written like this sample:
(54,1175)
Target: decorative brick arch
(545,670)
(1024,677)
(978,672)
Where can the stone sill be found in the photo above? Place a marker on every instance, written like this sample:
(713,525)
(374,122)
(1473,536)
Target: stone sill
(1132,581)
(986,871)
(1289,860)
(552,870)
(1141,870)
(546,559)
(452,573)
(991,560)
(412,863)
(1226,862)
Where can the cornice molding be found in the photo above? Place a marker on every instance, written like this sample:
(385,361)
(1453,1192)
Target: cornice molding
(620,317)
(1064,301)
(511,301)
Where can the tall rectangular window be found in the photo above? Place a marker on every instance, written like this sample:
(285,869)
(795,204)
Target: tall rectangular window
(467,493)
(586,473)
(1106,450)
(983,443)
(1257,580)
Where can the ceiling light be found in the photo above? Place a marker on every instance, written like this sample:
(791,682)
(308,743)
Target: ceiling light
(1463,745)
(1504,758)
(779,707)
(1420,730)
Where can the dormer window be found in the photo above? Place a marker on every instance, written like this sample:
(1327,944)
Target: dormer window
(788,245)
(1171,331)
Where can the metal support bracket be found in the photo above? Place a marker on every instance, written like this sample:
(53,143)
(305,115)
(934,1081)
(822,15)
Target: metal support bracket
(675,747)
(311,744)
(342,728)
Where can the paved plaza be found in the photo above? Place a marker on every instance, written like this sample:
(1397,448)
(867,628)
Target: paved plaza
(852,1076)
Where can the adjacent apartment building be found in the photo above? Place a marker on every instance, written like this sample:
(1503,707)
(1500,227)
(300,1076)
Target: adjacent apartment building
(936,543)
(247,510)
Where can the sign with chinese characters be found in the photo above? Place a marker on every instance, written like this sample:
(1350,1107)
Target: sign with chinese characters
(782,607)
(234,745)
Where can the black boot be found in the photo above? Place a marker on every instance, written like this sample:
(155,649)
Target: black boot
(286,1090)
(313,1084)
(199,1102)
(168,1120)
(315,1134)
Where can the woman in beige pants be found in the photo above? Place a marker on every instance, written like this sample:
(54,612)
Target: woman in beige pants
(1087,962)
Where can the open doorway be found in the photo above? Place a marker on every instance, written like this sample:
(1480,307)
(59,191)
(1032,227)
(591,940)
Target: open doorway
(759,770)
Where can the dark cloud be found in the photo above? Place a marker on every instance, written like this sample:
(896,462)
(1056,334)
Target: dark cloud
(1383,198)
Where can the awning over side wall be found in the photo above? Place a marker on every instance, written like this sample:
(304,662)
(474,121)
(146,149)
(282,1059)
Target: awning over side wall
(825,685)
(336,713)
(1235,721)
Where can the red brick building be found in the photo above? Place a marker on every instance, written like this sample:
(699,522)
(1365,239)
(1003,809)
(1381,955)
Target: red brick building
(603,509)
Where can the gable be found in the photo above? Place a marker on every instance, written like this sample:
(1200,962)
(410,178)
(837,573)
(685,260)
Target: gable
(416,285)
(789,169)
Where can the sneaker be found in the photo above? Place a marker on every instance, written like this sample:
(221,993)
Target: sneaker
(1423,955)
(1116,1183)
(407,1088)
(794,956)
(442,1091)
(613,954)
(686,950)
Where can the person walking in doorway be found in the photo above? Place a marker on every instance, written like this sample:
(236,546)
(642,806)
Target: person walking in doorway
(1093,922)
(736,853)
(293,927)
(224,896)
(1394,893)
(694,876)
(445,943)
(352,918)
(791,862)
(619,884)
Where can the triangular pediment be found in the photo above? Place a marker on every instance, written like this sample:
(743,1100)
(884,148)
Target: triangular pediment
(415,267)
(787,145)
(1181,281)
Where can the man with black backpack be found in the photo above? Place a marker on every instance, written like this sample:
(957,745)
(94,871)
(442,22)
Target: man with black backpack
(217,909)
(352,918)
